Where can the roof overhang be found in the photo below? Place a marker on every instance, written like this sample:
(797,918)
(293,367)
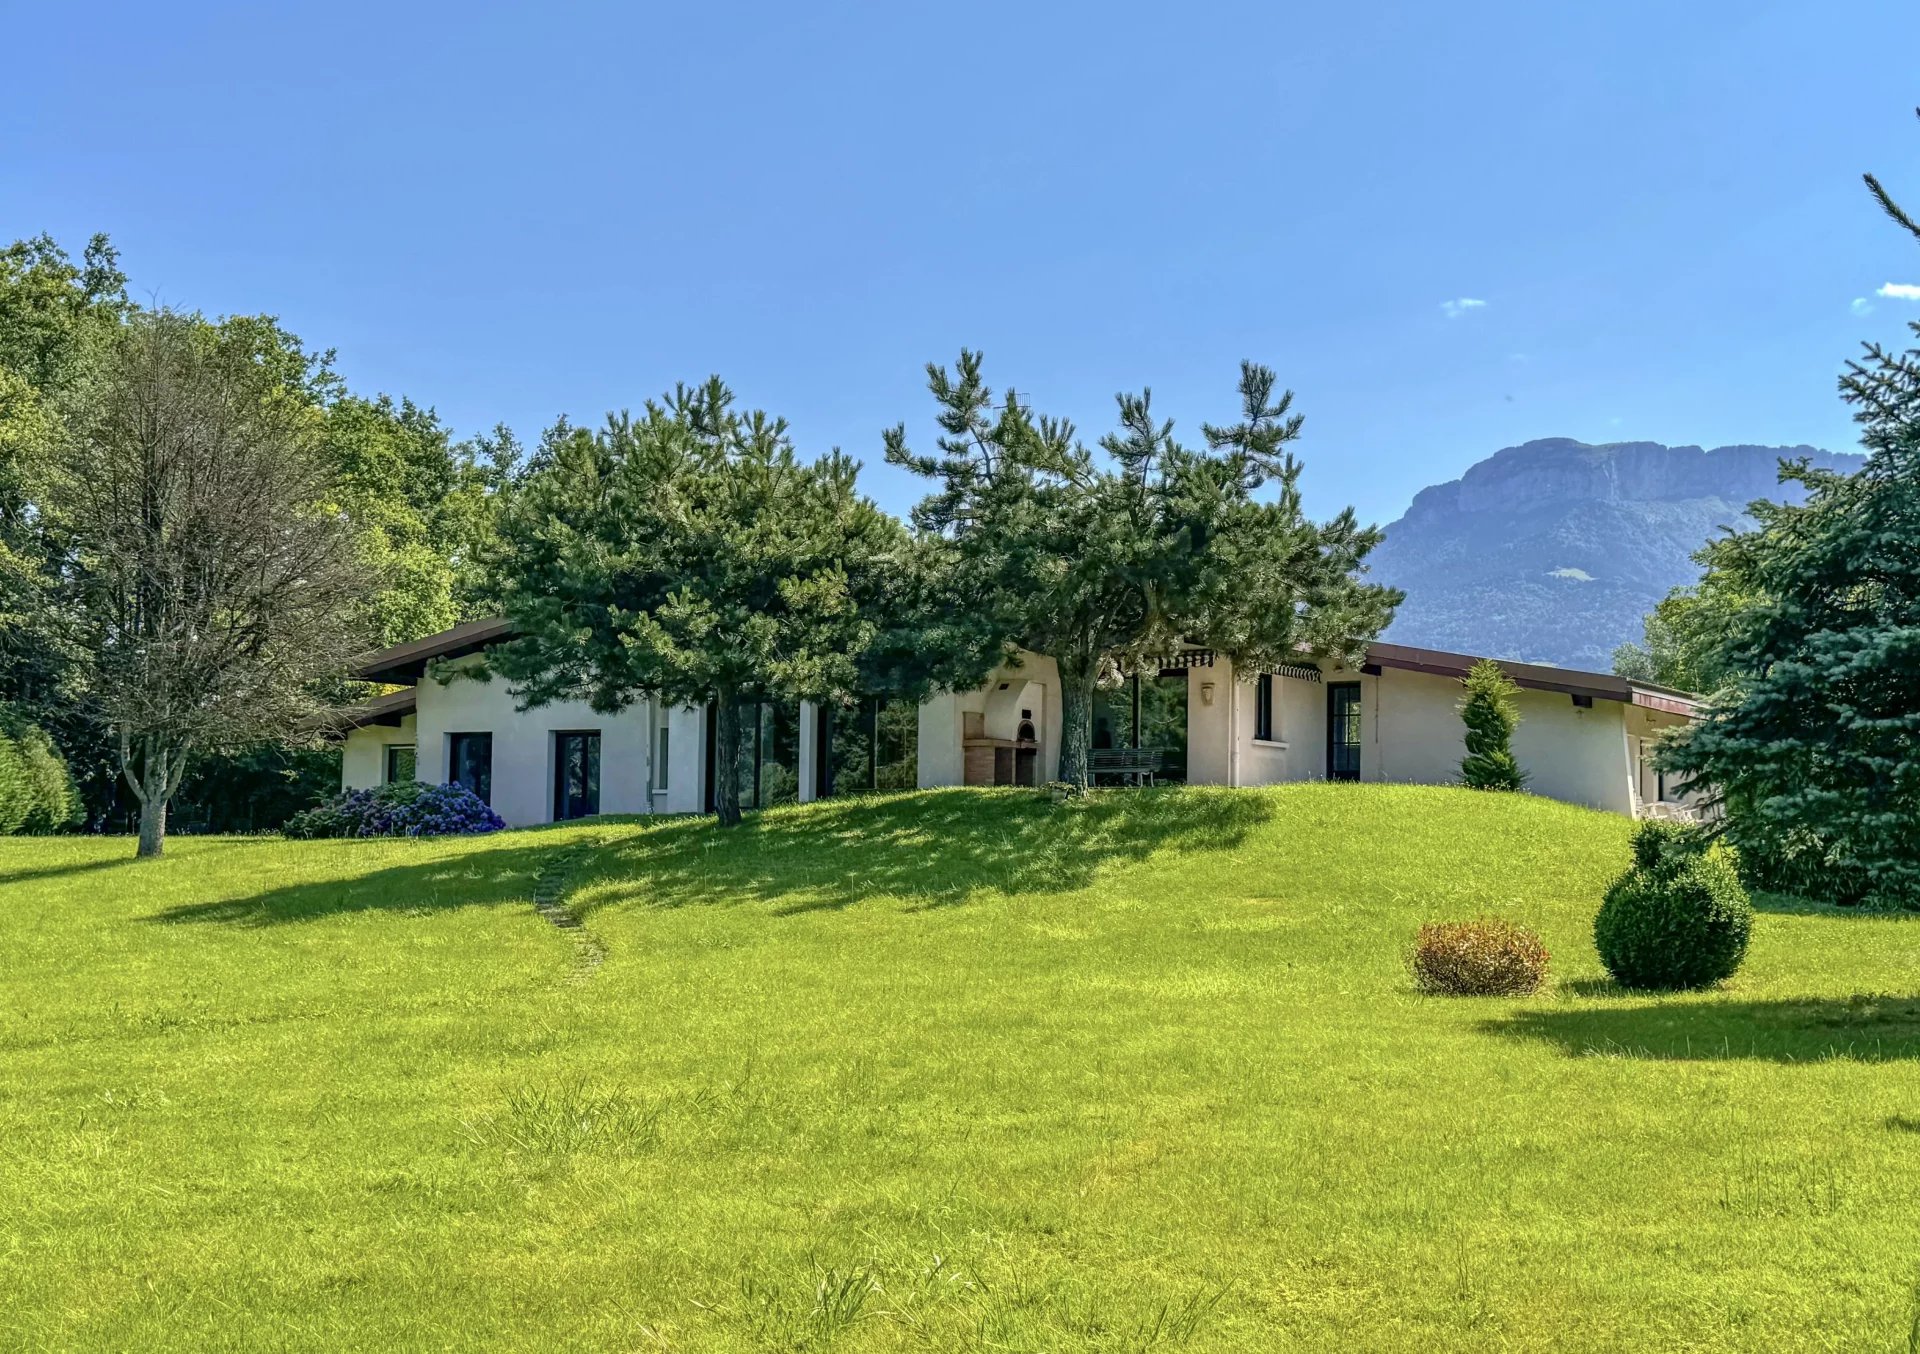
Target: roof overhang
(389,710)
(1538,677)
(407,663)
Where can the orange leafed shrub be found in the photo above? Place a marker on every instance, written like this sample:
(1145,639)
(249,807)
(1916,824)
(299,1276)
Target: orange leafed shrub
(1483,958)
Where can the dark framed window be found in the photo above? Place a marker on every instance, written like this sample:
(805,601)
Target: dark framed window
(1343,731)
(1263,707)
(470,763)
(875,745)
(402,764)
(661,763)
(576,774)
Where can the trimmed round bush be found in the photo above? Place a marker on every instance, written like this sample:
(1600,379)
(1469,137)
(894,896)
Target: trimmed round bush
(1483,958)
(1679,919)
(402,809)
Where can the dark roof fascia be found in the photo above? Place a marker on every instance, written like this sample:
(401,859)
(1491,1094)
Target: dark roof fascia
(1538,677)
(406,664)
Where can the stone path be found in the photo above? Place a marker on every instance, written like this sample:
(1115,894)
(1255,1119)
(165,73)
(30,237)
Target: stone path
(549,900)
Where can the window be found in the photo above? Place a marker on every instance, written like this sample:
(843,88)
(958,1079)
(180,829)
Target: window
(875,745)
(1343,731)
(576,775)
(401,764)
(470,763)
(661,762)
(1263,707)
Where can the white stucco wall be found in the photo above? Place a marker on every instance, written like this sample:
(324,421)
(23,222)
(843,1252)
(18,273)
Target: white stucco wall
(1208,724)
(1033,685)
(941,760)
(1298,744)
(523,749)
(1410,731)
(363,754)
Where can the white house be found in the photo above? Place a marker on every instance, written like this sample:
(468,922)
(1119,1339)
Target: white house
(1584,737)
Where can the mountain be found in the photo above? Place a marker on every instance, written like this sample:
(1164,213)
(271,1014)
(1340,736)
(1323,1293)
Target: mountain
(1553,551)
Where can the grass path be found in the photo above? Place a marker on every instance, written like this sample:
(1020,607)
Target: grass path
(954,1071)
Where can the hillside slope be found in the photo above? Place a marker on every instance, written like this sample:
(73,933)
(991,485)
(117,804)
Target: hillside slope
(1553,551)
(955,1070)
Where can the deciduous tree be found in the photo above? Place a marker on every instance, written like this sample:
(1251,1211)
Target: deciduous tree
(211,572)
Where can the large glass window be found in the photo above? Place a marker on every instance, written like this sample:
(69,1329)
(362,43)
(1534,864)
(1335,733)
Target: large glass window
(576,775)
(1148,710)
(470,763)
(875,745)
(766,769)
(777,748)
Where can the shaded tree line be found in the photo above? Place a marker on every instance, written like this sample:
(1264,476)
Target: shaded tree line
(201,525)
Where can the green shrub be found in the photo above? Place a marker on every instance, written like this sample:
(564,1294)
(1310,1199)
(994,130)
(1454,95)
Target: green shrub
(1679,919)
(16,791)
(1491,715)
(1483,958)
(1667,841)
(53,800)
(37,792)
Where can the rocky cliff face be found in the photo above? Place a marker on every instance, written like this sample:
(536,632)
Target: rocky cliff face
(1553,551)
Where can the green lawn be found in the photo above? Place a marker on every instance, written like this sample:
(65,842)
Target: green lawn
(965,1070)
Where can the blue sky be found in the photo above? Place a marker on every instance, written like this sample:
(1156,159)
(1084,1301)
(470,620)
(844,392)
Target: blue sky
(510,213)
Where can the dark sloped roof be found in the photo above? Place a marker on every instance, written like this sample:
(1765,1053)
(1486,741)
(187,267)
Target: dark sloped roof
(408,662)
(1538,677)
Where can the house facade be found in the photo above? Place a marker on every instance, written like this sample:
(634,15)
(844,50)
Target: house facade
(1585,738)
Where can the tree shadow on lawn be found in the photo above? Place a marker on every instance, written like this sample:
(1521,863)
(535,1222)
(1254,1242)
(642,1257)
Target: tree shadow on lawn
(483,878)
(934,848)
(115,862)
(1862,1028)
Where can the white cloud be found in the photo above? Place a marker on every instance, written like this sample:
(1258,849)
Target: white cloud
(1899,291)
(1462,304)
(1860,305)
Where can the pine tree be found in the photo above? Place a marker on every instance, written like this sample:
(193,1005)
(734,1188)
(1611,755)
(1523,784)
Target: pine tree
(1816,751)
(1491,715)
(690,556)
(1107,560)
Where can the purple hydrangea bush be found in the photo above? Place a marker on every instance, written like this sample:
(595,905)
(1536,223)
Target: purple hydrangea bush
(402,809)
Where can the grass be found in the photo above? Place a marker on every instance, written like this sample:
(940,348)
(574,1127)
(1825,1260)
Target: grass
(964,1070)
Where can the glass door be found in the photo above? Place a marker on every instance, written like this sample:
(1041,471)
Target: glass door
(470,763)
(1162,721)
(1343,731)
(576,775)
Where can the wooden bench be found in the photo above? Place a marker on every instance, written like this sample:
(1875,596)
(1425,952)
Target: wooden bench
(1138,765)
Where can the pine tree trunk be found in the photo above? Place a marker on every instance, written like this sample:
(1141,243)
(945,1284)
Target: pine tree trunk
(1076,723)
(726,754)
